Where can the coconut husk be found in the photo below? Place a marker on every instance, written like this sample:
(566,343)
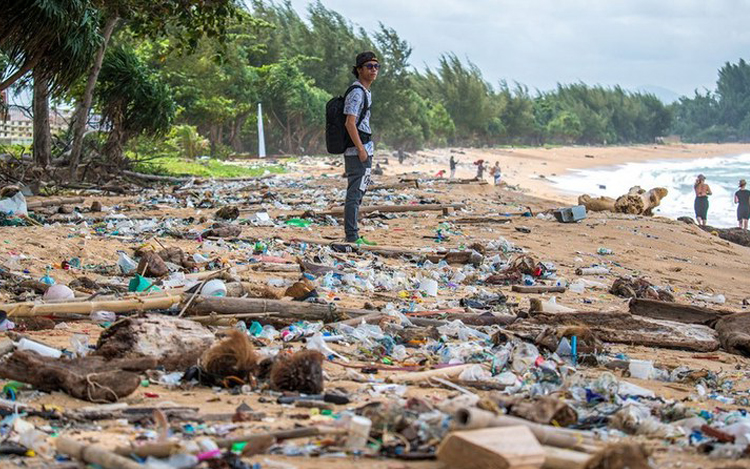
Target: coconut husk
(233,356)
(300,372)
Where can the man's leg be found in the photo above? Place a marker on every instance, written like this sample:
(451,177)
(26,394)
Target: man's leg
(355,170)
(453,173)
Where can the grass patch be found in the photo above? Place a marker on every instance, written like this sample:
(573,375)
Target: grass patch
(175,166)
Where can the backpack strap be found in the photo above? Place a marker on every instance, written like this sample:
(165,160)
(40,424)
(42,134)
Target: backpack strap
(365,108)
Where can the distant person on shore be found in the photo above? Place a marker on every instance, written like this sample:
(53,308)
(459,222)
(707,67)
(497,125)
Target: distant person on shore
(401,157)
(702,191)
(453,167)
(480,169)
(358,157)
(497,173)
(742,199)
(440,173)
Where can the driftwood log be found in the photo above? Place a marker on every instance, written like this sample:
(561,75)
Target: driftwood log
(90,378)
(292,309)
(173,342)
(624,328)
(599,204)
(397,185)
(339,211)
(734,333)
(640,202)
(669,311)
(52,201)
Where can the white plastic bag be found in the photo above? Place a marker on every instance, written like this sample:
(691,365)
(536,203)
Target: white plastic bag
(15,205)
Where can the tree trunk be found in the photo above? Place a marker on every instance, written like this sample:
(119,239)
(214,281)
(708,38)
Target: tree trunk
(23,70)
(42,148)
(80,117)
(115,141)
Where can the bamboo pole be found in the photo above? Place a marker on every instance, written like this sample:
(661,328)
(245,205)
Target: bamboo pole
(87,307)
(472,418)
(94,454)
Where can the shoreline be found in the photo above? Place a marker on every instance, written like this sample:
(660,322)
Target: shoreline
(530,168)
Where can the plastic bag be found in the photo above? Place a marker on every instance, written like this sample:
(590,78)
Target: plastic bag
(15,205)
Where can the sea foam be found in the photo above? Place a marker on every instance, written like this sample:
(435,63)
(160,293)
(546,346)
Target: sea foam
(722,174)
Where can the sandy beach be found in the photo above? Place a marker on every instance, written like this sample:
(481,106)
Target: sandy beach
(667,253)
(529,168)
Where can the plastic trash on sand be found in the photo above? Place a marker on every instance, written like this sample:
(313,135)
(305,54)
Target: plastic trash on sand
(718,299)
(15,205)
(551,306)
(125,263)
(475,373)
(641,369)
(59,292)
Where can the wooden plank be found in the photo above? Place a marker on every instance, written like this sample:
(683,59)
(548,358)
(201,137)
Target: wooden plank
(496,448)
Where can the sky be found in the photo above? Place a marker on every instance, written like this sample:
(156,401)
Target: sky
(678,45)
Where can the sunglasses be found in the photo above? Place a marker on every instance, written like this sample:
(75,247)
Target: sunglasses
(372,66)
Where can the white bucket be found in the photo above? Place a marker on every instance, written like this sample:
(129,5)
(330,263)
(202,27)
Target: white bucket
(214,287)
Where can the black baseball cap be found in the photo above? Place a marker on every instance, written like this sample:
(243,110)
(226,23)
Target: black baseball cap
(364,57)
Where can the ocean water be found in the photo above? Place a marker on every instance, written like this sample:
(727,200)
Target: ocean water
(678,176)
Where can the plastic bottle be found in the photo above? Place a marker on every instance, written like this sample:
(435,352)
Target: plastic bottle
(592,271)
(718,299)
(41,349)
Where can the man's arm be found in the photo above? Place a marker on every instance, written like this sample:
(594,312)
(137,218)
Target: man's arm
(351,127)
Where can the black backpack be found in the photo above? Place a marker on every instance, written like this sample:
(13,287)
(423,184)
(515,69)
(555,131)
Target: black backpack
(337,138)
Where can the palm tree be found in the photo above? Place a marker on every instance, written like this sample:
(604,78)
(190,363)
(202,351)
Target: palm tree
(56,38)
(132,101)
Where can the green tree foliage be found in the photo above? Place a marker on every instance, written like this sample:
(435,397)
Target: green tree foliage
(132,99)
(57,38)
(721,116)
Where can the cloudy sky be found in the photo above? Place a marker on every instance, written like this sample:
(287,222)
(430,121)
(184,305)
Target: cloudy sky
(675,44)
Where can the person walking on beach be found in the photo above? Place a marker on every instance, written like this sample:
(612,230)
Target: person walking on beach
(358,157)
(480,169)
(497,173)
(452,163)
(742,199)
(702,191)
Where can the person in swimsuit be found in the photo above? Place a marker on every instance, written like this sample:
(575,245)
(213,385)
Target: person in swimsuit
(742,199)
(702,191)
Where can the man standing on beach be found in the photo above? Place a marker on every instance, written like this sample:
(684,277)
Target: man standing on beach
(358,157)
(453,167)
